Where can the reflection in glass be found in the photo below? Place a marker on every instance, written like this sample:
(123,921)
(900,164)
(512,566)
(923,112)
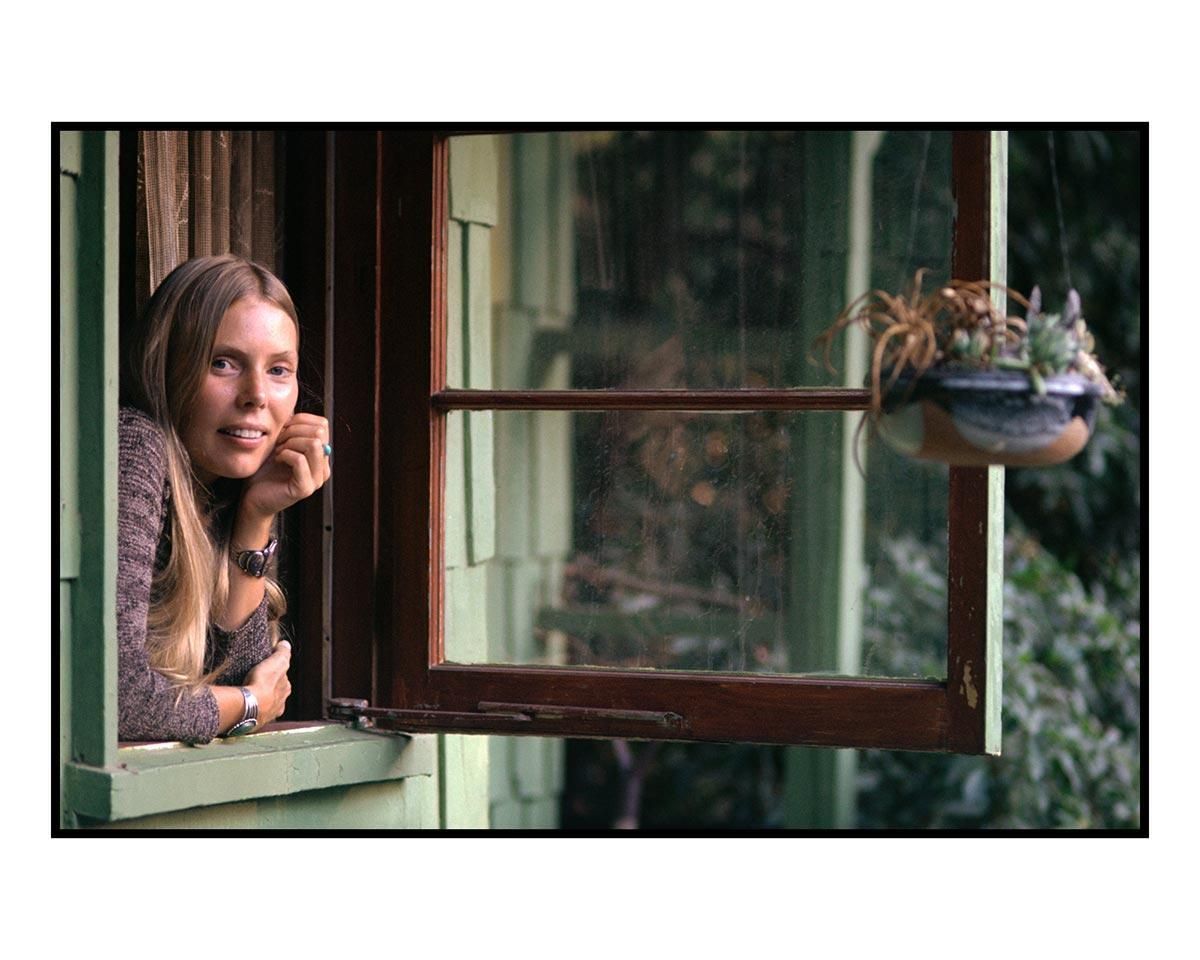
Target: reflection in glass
(672,541)
(669,260)
(701,259)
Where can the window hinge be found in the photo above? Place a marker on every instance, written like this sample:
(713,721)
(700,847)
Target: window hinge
(488,712)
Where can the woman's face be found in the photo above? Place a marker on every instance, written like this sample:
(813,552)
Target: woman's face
(249,392)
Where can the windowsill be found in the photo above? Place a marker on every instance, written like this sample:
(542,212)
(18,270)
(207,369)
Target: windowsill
(156,778)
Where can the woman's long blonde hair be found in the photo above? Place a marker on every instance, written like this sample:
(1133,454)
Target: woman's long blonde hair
(167,366)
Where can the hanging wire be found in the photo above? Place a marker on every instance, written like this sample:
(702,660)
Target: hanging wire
(1062,226)
(906,267)
(604,270)
(740,430)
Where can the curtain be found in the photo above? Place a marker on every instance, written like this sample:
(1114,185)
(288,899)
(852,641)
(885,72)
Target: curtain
(206,192)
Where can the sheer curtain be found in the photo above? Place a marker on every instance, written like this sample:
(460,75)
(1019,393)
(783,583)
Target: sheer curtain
(203,192)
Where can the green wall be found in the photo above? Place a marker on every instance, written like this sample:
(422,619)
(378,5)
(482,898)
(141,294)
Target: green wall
(408,804)
(508,529)
(329,778)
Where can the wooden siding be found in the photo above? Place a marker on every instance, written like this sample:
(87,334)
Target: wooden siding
(512,465)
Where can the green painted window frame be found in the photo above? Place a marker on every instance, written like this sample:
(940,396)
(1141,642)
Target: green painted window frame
(148,779)
(100,780)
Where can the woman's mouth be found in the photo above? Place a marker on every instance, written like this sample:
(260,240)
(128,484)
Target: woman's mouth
(242,436)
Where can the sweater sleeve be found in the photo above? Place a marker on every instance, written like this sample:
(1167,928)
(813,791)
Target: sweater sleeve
(149,707)
(242,649)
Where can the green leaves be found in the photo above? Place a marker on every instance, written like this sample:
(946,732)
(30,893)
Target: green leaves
(1051,344)
(1071,700)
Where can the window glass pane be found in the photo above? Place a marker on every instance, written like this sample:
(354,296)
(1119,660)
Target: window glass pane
(689,541)
(701,259)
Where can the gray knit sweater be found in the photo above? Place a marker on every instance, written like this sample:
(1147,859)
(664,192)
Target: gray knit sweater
(148,706)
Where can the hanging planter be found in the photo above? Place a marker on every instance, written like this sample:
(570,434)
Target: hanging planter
(955,380)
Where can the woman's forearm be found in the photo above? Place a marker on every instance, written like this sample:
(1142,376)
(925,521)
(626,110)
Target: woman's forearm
(230,707)
(250,532)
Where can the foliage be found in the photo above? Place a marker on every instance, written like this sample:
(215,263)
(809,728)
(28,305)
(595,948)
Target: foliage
(1071,742)
(1071,736)
(1072,598)
(679,785)
(1071,706)
(1087,512)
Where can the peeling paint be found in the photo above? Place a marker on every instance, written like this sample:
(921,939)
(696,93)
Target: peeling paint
(967,687)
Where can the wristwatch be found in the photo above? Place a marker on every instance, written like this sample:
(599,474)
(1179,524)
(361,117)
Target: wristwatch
(254,562)
(249,715)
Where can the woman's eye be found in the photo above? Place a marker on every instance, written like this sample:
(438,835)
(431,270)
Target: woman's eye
(220,363)
(279,371)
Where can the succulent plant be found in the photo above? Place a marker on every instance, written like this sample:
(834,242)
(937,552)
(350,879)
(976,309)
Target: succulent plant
(959,326)
(1055,344)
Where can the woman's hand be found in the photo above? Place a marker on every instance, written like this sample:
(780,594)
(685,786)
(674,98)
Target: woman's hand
(295,469)
(269,683)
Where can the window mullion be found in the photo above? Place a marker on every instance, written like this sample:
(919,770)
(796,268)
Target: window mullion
(975,567)
(716,401)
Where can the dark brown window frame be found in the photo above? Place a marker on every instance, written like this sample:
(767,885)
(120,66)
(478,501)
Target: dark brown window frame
(388,209)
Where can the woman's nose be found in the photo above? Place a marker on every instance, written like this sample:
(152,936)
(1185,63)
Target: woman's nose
(253,391)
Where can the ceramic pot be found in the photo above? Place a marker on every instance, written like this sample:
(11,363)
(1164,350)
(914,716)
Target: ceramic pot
(974,418)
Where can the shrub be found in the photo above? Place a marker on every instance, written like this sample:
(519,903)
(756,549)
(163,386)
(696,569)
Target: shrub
(1072,682)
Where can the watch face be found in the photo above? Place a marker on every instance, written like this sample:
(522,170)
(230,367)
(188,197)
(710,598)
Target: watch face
(254,562)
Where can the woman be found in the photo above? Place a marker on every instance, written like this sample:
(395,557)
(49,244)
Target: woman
(211,450)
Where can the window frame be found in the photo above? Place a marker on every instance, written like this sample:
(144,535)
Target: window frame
(103,781)
(406,680)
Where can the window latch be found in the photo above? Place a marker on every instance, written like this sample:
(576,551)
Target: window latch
(550,711)
(364,716)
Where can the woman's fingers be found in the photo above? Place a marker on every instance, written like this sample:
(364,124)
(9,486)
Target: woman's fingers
(313,450)
(282,685)
(305,425)
(309,418)
(270,683)
(303,430)
(297,467)
(301,484)
(318,463)
(308,433)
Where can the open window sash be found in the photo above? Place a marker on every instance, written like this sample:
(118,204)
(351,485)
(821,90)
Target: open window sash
(388,589)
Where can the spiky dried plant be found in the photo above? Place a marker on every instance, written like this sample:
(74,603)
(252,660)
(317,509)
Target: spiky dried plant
(959,325)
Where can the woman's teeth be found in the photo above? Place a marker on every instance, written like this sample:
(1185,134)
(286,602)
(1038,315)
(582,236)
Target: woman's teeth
(245,434)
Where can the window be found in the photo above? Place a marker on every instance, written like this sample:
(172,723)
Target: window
(199,192)
(387,236)
(99,782)
(433,443)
